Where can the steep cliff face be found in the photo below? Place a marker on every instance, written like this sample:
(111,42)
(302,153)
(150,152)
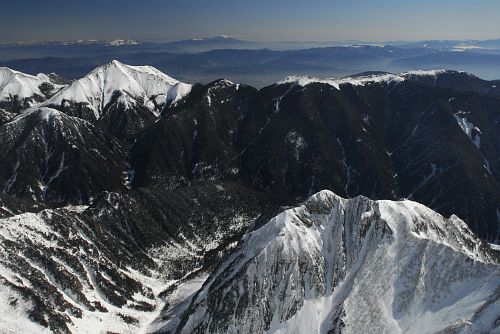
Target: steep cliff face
(351,266)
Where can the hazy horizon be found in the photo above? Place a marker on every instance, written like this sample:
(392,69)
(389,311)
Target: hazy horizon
(167,40)
(262,21)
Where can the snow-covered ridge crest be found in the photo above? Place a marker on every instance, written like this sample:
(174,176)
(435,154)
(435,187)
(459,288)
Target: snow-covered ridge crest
(352,266)
(359,80)
(15,83)
(43,114)
(137,84)
(356,81)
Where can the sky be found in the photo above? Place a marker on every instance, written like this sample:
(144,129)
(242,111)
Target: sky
(260,20)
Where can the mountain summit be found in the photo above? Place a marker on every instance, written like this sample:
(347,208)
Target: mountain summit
(334,265)
(19,91)
(122,97)
(98,88)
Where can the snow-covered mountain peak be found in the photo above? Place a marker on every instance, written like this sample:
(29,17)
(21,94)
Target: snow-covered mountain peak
(143,85)
(14,83)
(400,217)
(122,42)
(337,265)
(41,122)
(115,69)
(408,217)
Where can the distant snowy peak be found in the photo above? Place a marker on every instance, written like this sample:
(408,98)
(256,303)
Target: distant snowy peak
(21,85)
(123,42)
(461,47)
(145,85)
(361,80)
(213,38)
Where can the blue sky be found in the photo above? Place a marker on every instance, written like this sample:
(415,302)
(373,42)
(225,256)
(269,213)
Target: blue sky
(272,20)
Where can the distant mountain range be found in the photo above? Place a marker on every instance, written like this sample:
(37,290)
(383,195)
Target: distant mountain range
(256,63)
(453,45)
(210,43)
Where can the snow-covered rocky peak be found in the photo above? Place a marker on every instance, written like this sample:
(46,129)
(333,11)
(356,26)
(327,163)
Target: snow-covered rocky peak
(353,266)
(360,80)
(145,85)
(23,86)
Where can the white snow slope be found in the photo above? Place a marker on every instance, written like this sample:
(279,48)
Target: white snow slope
(14,83)
(359,80)
(353,266)
(136,83)
(74,252)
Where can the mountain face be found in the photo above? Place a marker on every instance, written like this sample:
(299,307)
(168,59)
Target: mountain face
(72,154)
(330,265)
(132,202)
(380,135)
(10,205)
(53,157)
(106,268)
(122,99)
(350,266)
(456,80)
(19,91)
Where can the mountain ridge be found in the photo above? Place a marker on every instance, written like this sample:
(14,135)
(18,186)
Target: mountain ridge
(367,228)
(223,208)
(280,271)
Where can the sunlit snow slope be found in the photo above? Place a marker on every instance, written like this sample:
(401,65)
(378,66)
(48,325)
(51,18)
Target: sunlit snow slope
(353,266)
(120,98)
(19,91)
(110,267)
(134,83)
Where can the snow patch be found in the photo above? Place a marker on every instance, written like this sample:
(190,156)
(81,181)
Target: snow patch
(469,129)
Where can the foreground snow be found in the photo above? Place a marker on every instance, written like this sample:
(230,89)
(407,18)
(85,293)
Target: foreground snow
(352,266)
(62,260)
(330,265)
(85,269)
